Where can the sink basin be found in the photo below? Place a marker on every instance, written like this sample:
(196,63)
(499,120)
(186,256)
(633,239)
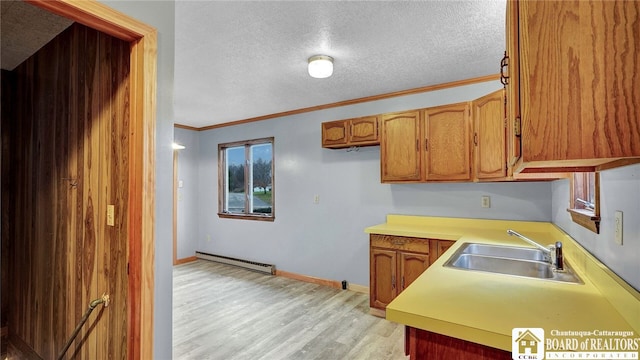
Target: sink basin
(509,260)
(502,265)
(511,252)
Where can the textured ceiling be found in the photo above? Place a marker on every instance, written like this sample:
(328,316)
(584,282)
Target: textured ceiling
(24,29)
(236,60)
(244,59)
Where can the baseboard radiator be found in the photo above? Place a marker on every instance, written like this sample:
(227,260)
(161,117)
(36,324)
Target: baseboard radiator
(251,265)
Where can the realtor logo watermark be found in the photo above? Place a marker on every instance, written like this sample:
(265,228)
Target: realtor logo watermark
(535,344)
(527,343)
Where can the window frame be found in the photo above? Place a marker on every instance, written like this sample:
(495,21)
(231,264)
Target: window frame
(580,188)
(222,176)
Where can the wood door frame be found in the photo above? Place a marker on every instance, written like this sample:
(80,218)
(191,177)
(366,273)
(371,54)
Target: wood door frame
(141,172)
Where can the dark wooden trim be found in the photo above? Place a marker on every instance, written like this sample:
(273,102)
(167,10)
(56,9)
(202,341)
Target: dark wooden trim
(186,127)
(246,217)
(589,219)
(617,163)
(358,101)
(185,260)
(378,312)
(585,219)
(246,142)
(310,279)
(97,16)
(557,169)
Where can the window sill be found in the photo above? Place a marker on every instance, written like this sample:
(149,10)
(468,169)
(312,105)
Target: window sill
(246,217)
(585,218)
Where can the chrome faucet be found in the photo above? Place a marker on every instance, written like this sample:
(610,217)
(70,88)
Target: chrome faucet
(553,253)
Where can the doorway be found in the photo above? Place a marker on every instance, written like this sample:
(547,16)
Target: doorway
(138,207)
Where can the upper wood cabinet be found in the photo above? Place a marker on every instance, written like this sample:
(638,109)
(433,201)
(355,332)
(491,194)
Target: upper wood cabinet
(447,143)
(364,131)
(335,134)
(350,132)
(489,138)
(573,80)
(400,154)
(432,144)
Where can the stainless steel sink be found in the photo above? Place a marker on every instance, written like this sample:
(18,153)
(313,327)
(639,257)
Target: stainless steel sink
(511,252)
(501,265)
(509,260)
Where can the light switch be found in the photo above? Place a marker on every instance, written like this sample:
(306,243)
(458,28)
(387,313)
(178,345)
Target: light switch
(180,183)
(111,215)
(486,201)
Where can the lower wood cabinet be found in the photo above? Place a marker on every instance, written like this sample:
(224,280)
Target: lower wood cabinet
(396,261)
(422,344)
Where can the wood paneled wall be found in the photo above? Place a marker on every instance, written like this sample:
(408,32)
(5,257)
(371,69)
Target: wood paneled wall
(64,159)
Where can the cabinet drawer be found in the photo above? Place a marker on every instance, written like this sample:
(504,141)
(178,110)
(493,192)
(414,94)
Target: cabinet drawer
(400,243)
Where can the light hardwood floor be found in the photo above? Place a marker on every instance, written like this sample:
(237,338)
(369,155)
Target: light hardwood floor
(225,312)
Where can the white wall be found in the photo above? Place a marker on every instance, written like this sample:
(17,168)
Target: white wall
(187,202)
(619,190)
(327,240)
(160,14)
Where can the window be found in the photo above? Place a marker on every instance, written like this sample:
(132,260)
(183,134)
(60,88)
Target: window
(245,176)
(584,205)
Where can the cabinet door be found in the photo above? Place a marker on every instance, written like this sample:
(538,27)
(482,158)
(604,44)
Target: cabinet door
(334,133)
(513,85)
(489,136)
(382,277)
(438,247)
(364,130)
(444,245)
(411,265)
(579,88)
(399,147)
(447,143)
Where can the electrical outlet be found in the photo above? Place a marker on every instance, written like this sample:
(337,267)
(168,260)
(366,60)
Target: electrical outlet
(316,199)
(618,227)
(486,201)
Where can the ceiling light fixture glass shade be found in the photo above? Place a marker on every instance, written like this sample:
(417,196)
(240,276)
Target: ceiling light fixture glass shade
(320,66)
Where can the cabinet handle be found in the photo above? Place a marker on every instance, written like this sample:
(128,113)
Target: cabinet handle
(393,281)
(426,144)
(402,283)
(475,139)
(503,64)
(517,127)
(398,242)
(417,145)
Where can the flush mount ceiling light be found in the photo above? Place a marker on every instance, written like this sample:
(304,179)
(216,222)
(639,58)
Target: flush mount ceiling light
(320,66)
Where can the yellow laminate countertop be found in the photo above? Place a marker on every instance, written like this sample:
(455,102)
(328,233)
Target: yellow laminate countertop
(484,307)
